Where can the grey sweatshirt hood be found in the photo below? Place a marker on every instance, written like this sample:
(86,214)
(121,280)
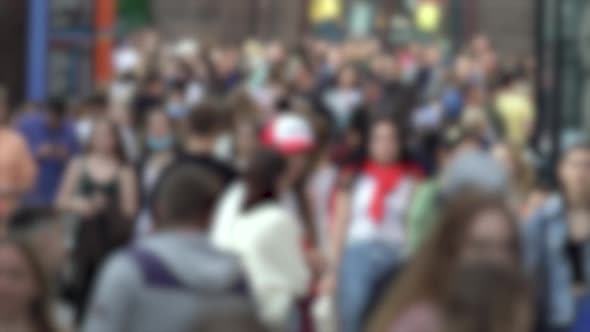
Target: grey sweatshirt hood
(190,257)
(167,282)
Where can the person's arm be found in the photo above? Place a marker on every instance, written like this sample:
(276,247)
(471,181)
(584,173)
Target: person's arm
(340,222)
(27,168)
(113,296)
(420,215)
(129,199)
(67,198)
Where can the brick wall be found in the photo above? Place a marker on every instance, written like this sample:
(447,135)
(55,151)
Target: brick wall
(228,20)
(509,23)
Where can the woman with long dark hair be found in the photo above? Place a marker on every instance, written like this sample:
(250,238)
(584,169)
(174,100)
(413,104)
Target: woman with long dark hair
(252,223)
(100,189)
(369,221)
(474,227)
(24,292)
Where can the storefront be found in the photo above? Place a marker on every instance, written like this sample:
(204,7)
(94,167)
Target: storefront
(563,53)
(69,46)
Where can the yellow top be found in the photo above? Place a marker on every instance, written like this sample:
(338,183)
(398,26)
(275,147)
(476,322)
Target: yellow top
(325,10)
(516,110)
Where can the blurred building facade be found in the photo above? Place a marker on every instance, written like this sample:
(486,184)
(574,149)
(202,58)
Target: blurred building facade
(13,15)
(557,32)
(563,57)
(230,20)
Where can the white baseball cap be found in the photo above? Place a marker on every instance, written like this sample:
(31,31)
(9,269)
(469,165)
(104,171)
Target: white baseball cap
(288,134)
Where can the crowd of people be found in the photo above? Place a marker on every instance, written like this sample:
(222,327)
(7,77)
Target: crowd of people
(350,186)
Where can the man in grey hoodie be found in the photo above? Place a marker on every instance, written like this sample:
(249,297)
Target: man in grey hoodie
(174,279)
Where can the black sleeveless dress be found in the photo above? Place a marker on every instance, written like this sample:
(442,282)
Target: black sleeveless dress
(97,237)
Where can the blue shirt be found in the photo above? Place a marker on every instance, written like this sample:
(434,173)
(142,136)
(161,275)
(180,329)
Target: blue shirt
(33,127)
(582,323)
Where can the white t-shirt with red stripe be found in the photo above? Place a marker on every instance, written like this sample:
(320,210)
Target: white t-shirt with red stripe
(390,230)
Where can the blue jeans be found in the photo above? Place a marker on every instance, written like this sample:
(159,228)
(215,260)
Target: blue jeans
(363,265)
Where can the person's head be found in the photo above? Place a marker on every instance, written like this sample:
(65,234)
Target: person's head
(275,53)
(95,105)
(347,77)
(474,228)
(264,176)
(106,140)
(292,136)
(159,134)
(481,44)
(487,298)
(23,289)
(153,85)
(489,232)
(384,141)
(42,230)
(185,197)
(507,78)
(56,110)
(574,173)
(205,121)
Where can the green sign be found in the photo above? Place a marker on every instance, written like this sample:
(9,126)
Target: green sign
(133,14)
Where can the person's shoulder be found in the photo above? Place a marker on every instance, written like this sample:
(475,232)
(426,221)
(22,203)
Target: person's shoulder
(11,135)
(120,268)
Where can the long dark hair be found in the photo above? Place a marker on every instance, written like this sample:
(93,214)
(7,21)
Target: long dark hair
(430,270)
(40,310)
(355,163)
(114,129)
(262,175)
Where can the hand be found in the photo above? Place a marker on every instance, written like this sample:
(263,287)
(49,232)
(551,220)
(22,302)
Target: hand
(316,261)
(46,150)
(60,152)
(328,283)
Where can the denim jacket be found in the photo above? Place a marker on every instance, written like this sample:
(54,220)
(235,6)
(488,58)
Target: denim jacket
(546,236)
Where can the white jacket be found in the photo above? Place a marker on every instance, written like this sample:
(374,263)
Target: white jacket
(269,242)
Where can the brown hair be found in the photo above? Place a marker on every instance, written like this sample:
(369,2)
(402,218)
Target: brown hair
(119,144)
(40,310)
(186,195)
(487,298)
(524,174)
(429,271)
(262,175)
(205,118)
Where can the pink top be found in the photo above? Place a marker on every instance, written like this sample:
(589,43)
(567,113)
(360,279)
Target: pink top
(422,317)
